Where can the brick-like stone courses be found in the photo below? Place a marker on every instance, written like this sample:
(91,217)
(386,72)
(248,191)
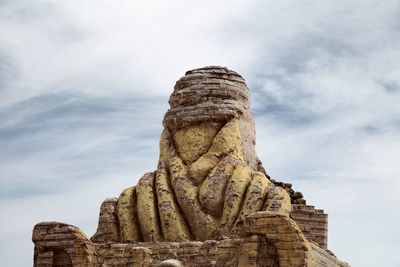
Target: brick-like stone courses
(77,250)
(121,254)
(213,94)
(107,229)
(284,234)
(270,240)
(196,253)
(60,244)
(313,223)
(325,259)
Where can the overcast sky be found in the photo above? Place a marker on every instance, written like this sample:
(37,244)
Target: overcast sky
(84,86)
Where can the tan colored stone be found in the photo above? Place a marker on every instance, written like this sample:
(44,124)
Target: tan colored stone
(209,201)
(107,229)
(172,222)
(147,208)
(127,216)
(194,141)
(235,193)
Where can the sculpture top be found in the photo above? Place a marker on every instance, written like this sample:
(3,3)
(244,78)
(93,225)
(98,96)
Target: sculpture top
(210,93)
(213,94)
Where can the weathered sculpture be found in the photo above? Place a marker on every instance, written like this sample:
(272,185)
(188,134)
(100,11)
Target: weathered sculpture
(209,185)
(208,177)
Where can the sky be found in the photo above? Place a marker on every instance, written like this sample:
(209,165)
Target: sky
(84,86)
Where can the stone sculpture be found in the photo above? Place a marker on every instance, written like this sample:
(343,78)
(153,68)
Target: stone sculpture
(209,185)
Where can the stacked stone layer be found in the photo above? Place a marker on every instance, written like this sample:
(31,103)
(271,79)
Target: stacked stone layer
(209,186)
(213,94)
(107,229)
(269,240)
(313,222)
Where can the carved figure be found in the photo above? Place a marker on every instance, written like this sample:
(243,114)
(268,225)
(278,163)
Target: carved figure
(208,177)
(209,198)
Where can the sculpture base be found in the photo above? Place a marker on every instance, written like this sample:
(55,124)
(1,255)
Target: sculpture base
(267,240)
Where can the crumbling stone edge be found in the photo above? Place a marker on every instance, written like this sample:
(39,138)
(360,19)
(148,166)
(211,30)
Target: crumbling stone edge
(267,239)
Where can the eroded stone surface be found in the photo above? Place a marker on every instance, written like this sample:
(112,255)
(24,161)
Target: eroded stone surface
(209,185)
(108,228)
(208,177)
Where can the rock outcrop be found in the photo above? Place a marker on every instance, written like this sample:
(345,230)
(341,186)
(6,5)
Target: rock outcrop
(208,203)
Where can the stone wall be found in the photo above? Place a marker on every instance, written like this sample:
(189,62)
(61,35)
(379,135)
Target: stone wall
(60,244)
(107,229)
(326,258)
(269,239)
(313,223)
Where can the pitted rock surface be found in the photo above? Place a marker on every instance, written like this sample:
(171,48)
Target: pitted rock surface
(213,94)
(209,201)
(208,176)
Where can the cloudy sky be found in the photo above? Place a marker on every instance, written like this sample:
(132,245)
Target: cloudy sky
(84,86)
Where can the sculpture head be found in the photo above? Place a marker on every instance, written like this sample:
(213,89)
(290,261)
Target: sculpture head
(202,102)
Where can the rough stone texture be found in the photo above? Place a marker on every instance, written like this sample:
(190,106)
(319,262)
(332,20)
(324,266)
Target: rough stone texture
(313,223)
(108,228)
(295,197)
(208,203)
(127,220)
(213,94)
(326,258)
(61,244)
(208,176)
(269,239)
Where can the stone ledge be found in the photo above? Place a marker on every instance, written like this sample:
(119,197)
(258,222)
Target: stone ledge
(269,238)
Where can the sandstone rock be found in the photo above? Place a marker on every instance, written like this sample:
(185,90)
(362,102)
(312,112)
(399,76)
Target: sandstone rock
(208,177)
(297,195)
(108,228)
(210,200)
